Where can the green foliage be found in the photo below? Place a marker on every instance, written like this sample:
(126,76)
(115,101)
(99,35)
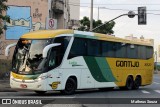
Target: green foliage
(157,67)
(3,18)
(105,29)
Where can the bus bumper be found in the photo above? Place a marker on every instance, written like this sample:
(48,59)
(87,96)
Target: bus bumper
(28,84)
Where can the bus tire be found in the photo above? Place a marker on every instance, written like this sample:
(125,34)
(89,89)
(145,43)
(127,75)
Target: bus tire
(137,82)
(70,87)
(129,83)
(40,92)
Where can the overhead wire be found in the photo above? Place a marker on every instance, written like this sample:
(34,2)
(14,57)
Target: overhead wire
(112,4)
(117,9)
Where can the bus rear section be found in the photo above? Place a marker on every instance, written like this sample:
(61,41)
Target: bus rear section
(113,63)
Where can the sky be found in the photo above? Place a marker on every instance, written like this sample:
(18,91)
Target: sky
(125,25)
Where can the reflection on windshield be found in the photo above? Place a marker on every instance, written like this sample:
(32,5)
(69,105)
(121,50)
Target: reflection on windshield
(28,56)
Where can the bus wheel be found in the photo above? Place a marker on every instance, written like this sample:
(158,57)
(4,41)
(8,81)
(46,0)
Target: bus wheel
(129,83)
(40,92)
(137,82)
(70,87)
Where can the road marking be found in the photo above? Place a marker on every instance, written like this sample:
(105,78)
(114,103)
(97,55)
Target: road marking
(158,91)
(156,83)
(146,92)
(156,77)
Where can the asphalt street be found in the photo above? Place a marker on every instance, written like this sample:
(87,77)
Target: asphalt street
(150,91)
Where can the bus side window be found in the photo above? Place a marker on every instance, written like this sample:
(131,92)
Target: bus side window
(142,52)
(121,50)
(132,50)
(78,48)
(108,49)
(55,58)
(149,51)
(93,48)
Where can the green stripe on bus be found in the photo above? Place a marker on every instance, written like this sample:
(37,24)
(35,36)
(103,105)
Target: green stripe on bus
(99,69)
(105,69)
(85,36)
(32,76)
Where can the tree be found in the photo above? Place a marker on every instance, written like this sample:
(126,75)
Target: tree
(105,29)
(3,18)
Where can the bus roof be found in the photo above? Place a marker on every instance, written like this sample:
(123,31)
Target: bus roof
(45,34)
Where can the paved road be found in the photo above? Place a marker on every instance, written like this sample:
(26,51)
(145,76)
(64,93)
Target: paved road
(151,91)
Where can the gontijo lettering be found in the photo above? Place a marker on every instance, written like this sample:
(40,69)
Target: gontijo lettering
(120,63)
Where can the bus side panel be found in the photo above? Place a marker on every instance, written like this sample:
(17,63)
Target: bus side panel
(100,71)
(54,80)
(77,67)
(122,68)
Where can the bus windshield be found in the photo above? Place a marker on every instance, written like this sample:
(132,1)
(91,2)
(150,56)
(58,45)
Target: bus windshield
(27,57)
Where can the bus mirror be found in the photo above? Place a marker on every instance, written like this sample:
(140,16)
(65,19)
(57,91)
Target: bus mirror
(7,50)
(46,49)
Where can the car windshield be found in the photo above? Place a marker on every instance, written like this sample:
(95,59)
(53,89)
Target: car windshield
(27,58)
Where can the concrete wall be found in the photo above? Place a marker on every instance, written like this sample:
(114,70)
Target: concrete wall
(26,16)
(30,15)
(74,10)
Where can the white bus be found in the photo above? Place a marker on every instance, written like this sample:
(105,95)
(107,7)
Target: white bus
(66,60)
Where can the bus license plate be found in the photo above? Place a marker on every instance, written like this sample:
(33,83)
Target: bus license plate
(23,86)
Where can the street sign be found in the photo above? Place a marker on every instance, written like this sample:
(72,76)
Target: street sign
(131,14)
(51,23)
(142,17)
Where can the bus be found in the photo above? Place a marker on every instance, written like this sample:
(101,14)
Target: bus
(67,60)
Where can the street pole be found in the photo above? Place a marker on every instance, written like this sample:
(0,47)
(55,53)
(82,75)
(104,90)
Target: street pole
(156,70)
(108,21)
(91,17)
(98,14)
(130,14)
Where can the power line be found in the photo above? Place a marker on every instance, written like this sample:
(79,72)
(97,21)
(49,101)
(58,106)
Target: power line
(153,13)
(108,8)
(112,4)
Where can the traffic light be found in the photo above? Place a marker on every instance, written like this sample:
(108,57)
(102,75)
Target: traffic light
(142,17)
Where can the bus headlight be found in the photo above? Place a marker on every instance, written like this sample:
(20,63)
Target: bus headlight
(42,78)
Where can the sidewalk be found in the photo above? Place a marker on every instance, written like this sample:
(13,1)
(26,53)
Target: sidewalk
(5,87)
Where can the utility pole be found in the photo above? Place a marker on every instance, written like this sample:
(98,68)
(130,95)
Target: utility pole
(130,14)
(98,14)
(91,17)
(156,70)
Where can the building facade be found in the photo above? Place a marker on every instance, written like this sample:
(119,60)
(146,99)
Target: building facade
(74,14)
(32,15)
(141,39)
(74,9)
